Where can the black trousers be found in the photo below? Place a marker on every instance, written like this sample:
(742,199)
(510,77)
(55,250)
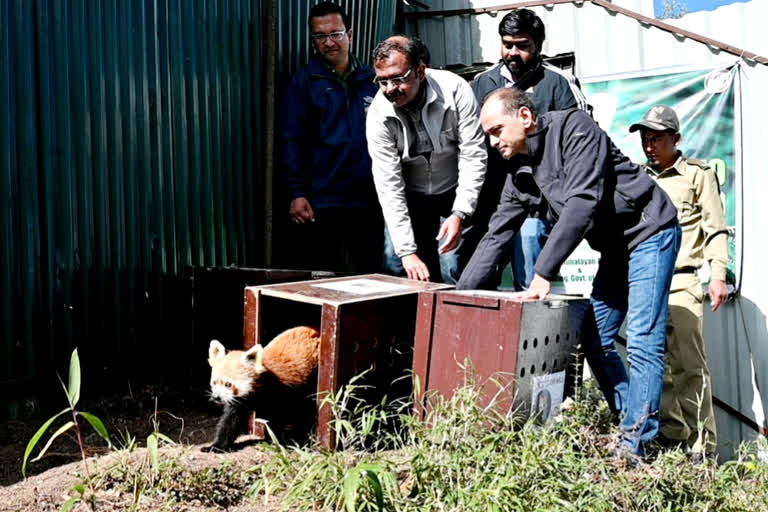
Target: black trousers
(340,240)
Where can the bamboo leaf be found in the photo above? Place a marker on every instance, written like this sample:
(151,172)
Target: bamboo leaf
(68,425)
(152,449)
(373,480)
(97,425)
(67,506)
(351,486)
(371,473)
(73,390)
(35,438)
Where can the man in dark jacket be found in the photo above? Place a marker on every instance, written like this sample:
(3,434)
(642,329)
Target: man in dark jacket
(522,36)
(593,191)
(326,167)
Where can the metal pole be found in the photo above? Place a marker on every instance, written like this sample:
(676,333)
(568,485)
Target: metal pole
(269,146)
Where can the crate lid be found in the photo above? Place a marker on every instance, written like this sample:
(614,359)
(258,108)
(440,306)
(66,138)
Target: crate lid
(488,297)
(343,290)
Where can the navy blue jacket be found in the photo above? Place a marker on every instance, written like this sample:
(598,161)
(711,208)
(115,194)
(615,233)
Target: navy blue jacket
(593,191)
(324,150)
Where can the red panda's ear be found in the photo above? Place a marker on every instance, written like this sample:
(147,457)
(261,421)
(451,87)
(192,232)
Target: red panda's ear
(215,351)
(253,357)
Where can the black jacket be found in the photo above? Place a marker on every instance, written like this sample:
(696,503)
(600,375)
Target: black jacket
(550,88)
(593,191)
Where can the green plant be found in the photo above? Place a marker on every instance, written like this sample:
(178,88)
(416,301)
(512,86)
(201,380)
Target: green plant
(72,391)
(465,456)
(367,479)
(153,440)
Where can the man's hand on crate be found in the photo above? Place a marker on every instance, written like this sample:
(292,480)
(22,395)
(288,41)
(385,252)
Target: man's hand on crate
(538,290)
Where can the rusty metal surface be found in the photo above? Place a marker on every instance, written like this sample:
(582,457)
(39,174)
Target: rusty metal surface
(503,344)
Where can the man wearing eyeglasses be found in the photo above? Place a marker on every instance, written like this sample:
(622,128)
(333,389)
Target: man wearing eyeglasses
(429,157)
(326,167)
(596,194)
(522,36)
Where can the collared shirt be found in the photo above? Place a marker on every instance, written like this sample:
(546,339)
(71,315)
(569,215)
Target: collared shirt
(352,66)
(693,188)
(457,161)
(506,74)
(421,144)
(534,76)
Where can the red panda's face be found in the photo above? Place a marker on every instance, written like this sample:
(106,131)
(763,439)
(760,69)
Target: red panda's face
(234,374)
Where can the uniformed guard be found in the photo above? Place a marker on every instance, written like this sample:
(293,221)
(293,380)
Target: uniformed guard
(693,187)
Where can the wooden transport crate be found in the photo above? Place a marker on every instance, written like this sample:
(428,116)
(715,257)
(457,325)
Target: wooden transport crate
(524,354)
(366,323)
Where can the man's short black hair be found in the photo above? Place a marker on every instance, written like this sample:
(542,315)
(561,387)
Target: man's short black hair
(326,8)
(523,21)
(511,100)
(412,47)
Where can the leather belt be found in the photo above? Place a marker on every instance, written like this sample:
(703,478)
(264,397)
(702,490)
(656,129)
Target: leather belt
(685,270)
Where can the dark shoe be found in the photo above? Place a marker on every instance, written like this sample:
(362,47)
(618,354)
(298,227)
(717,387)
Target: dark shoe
(626,456)
(702,458)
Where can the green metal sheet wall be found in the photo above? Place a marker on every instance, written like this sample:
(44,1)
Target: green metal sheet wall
(130,136)
(372,21)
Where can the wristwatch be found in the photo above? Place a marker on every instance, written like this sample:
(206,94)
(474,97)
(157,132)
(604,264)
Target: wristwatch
(461,215)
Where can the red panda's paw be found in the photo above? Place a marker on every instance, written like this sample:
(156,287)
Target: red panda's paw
(214,449)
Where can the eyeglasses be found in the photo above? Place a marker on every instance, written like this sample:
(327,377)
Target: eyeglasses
(335,36)
(398,80)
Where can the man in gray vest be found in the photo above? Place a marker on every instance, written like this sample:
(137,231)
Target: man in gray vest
(429,157)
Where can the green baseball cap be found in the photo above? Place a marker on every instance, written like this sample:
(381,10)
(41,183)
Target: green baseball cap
(660,118)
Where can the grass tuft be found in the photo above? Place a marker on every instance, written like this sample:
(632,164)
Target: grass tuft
(465,457)
(462,457)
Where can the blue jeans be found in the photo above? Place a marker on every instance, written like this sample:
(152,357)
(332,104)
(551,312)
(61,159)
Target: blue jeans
(635,286)
(526,246)
(449,262)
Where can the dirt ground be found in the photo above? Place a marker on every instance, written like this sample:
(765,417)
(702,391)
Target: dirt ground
(190,422)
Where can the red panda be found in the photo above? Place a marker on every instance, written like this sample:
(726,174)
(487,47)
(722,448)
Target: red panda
(276,381)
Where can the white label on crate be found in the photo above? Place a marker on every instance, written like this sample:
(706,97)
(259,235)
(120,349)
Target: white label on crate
(363,286)
(547,395)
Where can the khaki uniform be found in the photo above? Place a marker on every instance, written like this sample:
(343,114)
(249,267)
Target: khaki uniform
(687,398)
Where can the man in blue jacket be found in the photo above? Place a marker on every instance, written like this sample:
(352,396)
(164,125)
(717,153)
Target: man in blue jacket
(595,192)
(326,167)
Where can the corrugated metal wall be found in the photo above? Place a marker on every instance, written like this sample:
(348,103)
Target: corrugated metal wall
(130,137)
(132,142)
(371,20)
